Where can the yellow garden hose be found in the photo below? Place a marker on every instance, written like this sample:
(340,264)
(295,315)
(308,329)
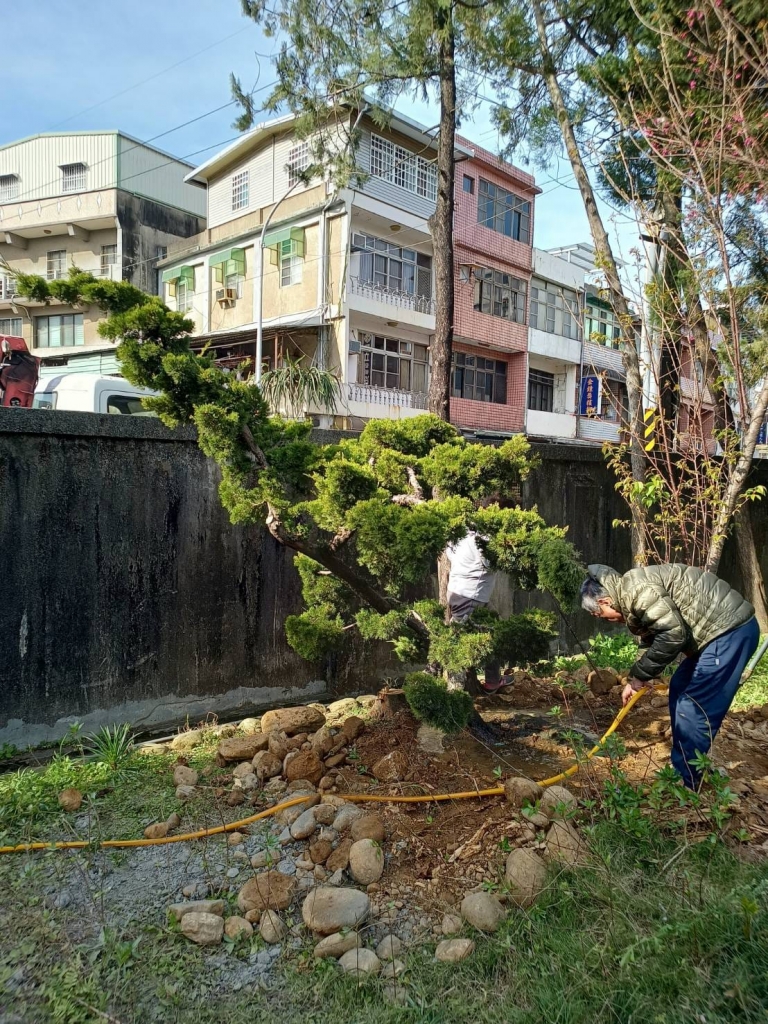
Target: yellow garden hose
(233,826)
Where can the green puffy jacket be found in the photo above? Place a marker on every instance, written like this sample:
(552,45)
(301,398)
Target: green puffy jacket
(674,609)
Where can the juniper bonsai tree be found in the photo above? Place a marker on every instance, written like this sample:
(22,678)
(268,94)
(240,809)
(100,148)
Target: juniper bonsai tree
(367,517)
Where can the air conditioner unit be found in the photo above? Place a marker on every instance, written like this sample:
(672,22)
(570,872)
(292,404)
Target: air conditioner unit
(226,296)
(354,346)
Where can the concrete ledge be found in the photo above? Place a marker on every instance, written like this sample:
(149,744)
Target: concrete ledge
(90,424)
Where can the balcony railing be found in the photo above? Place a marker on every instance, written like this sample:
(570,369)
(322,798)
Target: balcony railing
(391,297)
(7,288)
(386,396)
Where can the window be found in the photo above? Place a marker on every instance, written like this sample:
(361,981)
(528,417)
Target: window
(9,187)
(298,161)
(7,288)
(554,309)
(161,252)
(59,331)
(388,266)
(56,264)
(391,363)
(499,294)
(468,184)
(183,295)
(541,390)
(126,405)
(108,259)
(73,177)
(240,184)
(11,325)
(235,282)
(403,168)
(479,379)
(504,212)
(290,264)
(601,326)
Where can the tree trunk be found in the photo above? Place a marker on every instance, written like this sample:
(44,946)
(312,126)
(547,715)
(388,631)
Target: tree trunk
(606,262)
(442,226)
(751,573)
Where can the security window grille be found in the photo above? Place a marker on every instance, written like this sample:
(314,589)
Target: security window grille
(235,282)
(59,331)
(9,187)
(240,184)
(541,390)
(11,325)
(391,363)
(554,309)
(56,264)
(479,379)
(468,184)
(108,259)
(393,268)
(290,264)
(184,295)
(298,161)
(601,326)
(504,212)
(499,294)
(7,289)
(73,177)
(403,168)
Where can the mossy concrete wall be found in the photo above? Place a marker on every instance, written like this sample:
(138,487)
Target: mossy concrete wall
(126,595)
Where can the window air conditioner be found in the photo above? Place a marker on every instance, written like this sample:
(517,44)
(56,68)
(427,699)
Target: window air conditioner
(226,296)
(354,346)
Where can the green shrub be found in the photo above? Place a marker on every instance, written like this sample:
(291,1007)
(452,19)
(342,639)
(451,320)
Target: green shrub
(432,702)
(315,633)
(617,650)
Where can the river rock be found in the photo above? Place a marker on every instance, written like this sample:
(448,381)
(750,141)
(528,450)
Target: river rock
(238,928)
(269,891)
(451,924)
(526,876)
(336,945)
(266,765)
(366,861)
(278,744)
(450,951)
(184,776)
(325,814)
(179,910)
(320,851)
(369,826)
(483,911)
(305,765)
(305,825)
(339,859)
(323,742)
(327,910)
(250,726)
(393,767)
(360,962)
(557,802)
(242,748)
(520,791)
(430,739)
(204,929)
(602,680)
(392,969)
(70,800)
(271,928)
(352,728)
(236,797)
(157,831)
(346,815)
(565,845)
(187,740)
(184,793)
(293,720)
(389,947)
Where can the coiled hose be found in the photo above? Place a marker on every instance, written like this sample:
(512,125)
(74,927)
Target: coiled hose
(233,826)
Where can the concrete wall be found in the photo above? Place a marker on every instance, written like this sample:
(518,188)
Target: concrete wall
(126,595)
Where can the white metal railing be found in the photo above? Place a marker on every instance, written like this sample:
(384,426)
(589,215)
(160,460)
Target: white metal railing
(386,396)
(7,287)
(402,300)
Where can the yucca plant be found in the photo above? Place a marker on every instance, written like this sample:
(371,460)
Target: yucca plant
(111,746)
(293,388)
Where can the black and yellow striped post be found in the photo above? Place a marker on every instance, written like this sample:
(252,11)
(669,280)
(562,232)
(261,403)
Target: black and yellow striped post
(650,416)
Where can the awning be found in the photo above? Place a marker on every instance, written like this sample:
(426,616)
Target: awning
(180,273)
(231,260)
(282,235)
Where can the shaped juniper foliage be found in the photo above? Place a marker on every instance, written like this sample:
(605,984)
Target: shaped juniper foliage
(367,517)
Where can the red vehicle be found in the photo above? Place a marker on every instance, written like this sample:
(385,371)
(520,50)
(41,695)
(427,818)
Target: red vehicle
(19,371)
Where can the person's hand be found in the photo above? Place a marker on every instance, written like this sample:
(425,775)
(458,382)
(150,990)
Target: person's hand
(629,690)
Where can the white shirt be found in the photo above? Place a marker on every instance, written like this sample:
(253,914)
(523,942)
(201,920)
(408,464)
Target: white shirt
(470,574)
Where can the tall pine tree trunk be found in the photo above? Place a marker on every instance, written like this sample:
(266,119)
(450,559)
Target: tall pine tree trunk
(442,225)
(607,263)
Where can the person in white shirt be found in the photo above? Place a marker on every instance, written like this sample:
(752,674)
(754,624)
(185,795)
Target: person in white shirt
(470,585)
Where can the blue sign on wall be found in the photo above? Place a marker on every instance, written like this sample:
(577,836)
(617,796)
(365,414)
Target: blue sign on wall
(762,434)
(591,394)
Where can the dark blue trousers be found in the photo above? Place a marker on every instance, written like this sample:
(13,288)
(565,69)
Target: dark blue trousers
(701,691)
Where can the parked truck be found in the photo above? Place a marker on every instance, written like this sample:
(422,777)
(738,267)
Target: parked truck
(92,392)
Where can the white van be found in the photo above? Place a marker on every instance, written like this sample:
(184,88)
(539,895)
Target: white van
(91,392)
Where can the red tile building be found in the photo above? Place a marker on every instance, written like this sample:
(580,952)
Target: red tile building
(493,239)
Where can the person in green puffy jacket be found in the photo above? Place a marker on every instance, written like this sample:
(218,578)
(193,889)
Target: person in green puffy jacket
(680,610)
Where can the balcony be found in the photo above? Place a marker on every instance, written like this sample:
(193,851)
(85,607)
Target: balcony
(594,428)
(550,424)
(367,402)
(383,301)
(7,287)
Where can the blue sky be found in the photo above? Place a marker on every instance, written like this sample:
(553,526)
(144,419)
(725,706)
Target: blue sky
(90,64)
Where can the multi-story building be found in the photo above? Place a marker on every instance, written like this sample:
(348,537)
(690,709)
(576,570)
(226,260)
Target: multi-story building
(493,241)
(100,201)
